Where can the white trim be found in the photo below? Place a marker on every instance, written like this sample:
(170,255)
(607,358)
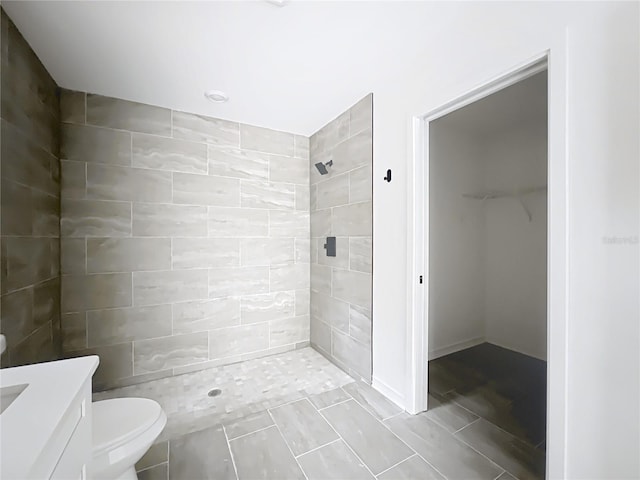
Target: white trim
(455,347)
(416,382)
(392,394)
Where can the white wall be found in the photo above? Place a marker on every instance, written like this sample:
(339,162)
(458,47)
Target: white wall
(456,242)
(594,51)
(515,283)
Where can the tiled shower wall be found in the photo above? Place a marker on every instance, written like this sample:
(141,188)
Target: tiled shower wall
(30,204)
(185,239)
(341,207)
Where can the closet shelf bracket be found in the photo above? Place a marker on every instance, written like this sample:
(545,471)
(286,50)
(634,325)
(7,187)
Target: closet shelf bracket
(515,193)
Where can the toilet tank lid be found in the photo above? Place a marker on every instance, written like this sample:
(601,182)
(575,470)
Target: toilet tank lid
(118,420)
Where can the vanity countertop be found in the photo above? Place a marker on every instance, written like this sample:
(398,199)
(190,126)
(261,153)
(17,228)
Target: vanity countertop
(30,424)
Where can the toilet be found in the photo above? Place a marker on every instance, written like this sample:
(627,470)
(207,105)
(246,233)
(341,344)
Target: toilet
(123,430)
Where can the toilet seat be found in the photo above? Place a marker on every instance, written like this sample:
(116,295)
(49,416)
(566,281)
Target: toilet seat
(120,420)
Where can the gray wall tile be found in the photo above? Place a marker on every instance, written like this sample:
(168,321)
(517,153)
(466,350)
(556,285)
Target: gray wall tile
(73,179)
(340,204)
(266,140)
(73,255)
(201,219)
(125,115)
(352,220)
(320,279)
(360,184)
(107,182)
(27,260)
(360,254)
(127,254)
(116,361)
(341,260)
(353,153)
(303,302)
(269,306)
(169,220)
(289,277)
(266,251)
(330,135)
(302,250)
(361,115)
(237,222)
(360,324)
(288,224)
(205,252)
(302,197)
(238,281)
(167,352)
(320,335)
(74,331)
(95,145)
(321,223)
(94,218)
(154,288)
(206,190)
(150,151)
(201,315)
(330,310)
(120,325)
(267,195)
(26,162)
(353,287)
(198,128)
(72,106)
(226,342)
(301,147)
(92,292)
(333,192)
(288,330)
(17,209)
(289,169)
(238,163)
(352,353)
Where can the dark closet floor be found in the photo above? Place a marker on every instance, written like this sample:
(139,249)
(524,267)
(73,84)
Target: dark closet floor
(503,387)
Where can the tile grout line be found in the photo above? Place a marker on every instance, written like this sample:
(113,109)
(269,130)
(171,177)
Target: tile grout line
(347,445)
(319,447)
(460,429)
(481,454)
(233,461)
(395,465)
(501,475)
(249,433)
(285,442)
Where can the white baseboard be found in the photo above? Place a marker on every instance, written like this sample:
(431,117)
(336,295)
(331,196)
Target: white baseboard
(392,394)
(455,347)
(513,349)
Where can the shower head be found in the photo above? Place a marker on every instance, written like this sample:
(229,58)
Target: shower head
(322,167)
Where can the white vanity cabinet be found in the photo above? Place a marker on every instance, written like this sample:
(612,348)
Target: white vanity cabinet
(45,430)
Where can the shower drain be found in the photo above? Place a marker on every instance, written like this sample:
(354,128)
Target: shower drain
(215,392)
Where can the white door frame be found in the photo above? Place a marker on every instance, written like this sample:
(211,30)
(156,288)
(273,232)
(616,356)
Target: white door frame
(557,246)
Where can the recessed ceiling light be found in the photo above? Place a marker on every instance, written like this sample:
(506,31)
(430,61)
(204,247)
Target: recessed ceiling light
(279,3)
(216,96)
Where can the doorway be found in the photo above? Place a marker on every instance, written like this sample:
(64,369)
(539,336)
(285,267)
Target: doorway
(526,198)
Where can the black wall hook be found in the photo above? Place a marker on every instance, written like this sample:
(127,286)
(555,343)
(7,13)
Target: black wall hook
(388,177)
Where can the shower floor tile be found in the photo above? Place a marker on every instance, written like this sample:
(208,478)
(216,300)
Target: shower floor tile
(248,387)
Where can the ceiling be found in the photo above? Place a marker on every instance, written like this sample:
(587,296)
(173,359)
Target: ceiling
(289,68)
(517,106)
